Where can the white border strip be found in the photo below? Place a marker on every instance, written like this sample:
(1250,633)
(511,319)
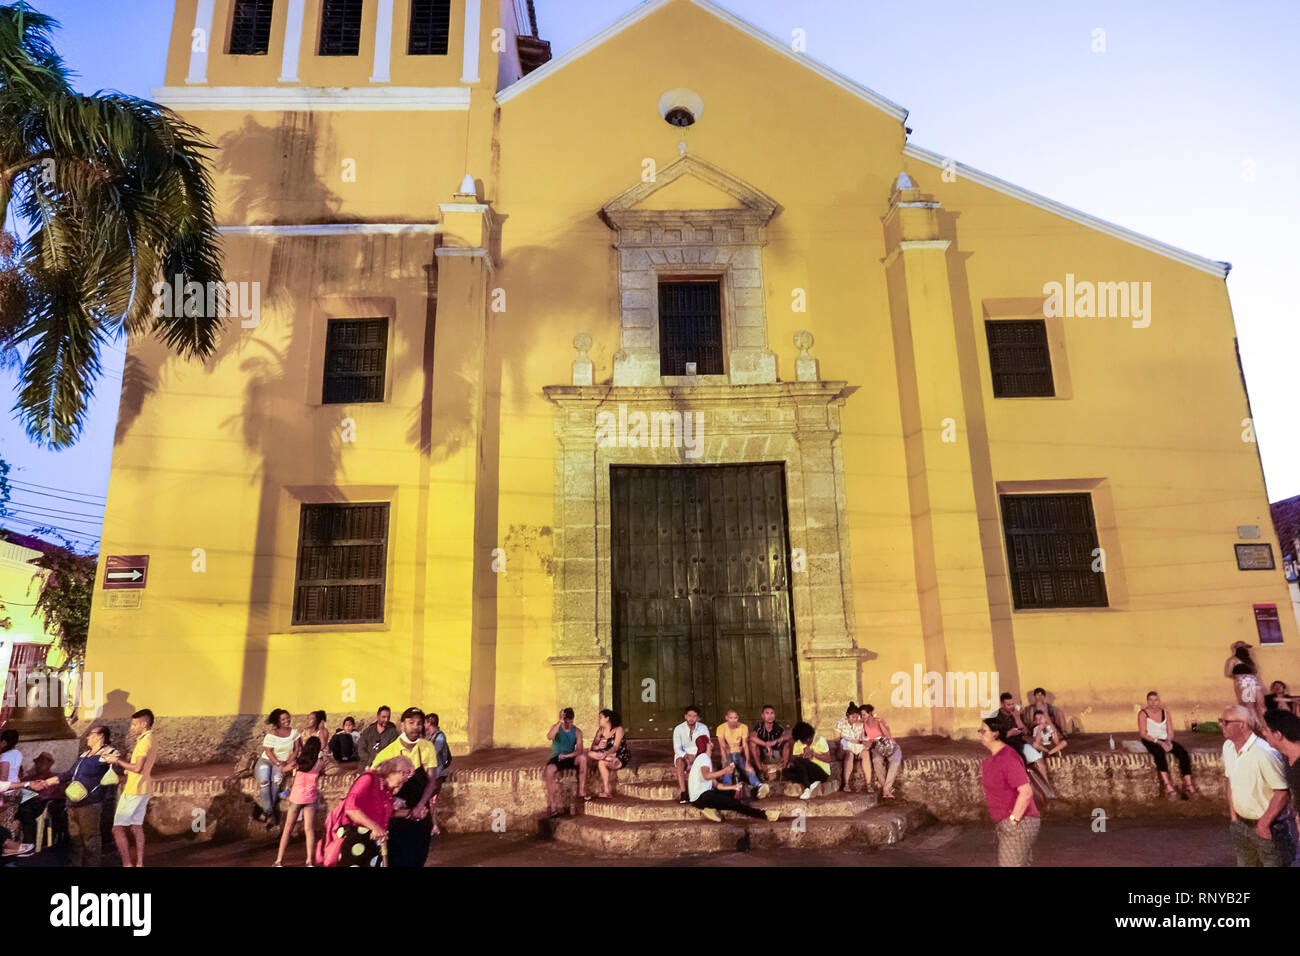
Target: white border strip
(839,79)
(292,41)
(1212,266)
(336,229)
(643,11)
(469,49)
(254,98)
(203,13)
(582,49)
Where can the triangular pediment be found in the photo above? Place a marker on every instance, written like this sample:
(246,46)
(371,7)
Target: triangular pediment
(691,184)
(689,192)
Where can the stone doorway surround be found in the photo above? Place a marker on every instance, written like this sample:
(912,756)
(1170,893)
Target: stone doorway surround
(724,242)
(796,423)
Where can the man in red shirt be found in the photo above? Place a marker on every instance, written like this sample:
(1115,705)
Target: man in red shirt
(1010,799)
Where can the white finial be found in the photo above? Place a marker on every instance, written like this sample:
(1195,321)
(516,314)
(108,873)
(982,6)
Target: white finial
(904,181)
(681,148)
(467,187)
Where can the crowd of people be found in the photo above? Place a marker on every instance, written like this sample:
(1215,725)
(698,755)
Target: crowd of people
(76,800)
(389,814)
(747,761)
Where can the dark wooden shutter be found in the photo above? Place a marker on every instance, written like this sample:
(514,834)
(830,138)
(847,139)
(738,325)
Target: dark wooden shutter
(690,327)
(342,554)
(340,28)
(250,27)
(1051,541)
(356,354)
(430,27)
(1019,358)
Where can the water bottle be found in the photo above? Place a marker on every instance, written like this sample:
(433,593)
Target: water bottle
(1112,741)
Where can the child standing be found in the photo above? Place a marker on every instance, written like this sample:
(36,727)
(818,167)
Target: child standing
(303,797)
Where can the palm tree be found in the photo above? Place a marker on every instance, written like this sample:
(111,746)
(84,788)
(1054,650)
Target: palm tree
(110,194)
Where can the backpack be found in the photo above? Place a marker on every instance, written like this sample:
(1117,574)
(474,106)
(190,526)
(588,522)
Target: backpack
(344,747)
(443,748)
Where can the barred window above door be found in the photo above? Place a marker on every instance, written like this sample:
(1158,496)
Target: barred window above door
(342,555)
(690,327)
(356,354)
(250,27)
(1052,550)
(430,27)
(1020,359)
(340,27)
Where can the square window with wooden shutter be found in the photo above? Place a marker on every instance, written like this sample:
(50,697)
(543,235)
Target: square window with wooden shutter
(342,555)
(690,327)
(250,27)
(1020,359)
(430,28)
(356,355)
(340,28)
(1052,550)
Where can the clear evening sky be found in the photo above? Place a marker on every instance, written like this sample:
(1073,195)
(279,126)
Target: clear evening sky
(1184,129)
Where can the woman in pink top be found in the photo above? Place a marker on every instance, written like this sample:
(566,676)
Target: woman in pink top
(357,829)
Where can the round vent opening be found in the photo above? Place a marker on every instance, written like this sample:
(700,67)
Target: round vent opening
(680,116)
(681,107)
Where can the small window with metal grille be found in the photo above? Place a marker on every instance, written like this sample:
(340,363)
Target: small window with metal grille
(1052,551)
(340,28)
(690,327)
(1020,359)
(430,27)
(356,354)
(250,27)
(342,555)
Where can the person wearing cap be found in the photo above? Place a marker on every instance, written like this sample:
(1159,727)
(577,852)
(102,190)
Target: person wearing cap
(710,797)
(85,789)
(1009,797)
(411,828)
(1260,826)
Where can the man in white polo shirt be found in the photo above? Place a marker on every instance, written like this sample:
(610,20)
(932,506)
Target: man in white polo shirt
(1257,794)
(684,747)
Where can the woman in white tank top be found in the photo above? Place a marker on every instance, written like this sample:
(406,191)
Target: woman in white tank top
(1155,728)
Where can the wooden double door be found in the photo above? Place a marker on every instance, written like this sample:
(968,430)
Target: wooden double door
(700,573)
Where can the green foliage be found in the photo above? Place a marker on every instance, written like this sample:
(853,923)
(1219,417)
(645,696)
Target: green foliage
(110,193)
(64,597)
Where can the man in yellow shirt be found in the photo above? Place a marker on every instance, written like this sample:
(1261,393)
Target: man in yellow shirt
(134,796)
(733,747)
(411,829)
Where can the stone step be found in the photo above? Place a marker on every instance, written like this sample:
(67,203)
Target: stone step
(668,790)
(632,810)
(875,827)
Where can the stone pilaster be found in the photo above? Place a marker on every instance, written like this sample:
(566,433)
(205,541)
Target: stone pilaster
(945,521)
(459,643)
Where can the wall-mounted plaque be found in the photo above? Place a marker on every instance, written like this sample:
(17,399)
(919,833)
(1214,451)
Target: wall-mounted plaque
(1254,557)
(1247,531)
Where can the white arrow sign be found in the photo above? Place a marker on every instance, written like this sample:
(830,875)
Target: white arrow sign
(132,575)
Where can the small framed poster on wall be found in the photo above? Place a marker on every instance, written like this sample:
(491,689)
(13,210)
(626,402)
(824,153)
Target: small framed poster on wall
(1267,624)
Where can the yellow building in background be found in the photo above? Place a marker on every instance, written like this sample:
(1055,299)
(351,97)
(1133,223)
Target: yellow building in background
(668,370)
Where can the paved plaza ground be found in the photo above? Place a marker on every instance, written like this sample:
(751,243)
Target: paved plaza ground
(1063,843)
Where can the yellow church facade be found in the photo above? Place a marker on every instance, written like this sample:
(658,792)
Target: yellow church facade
(665,371)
